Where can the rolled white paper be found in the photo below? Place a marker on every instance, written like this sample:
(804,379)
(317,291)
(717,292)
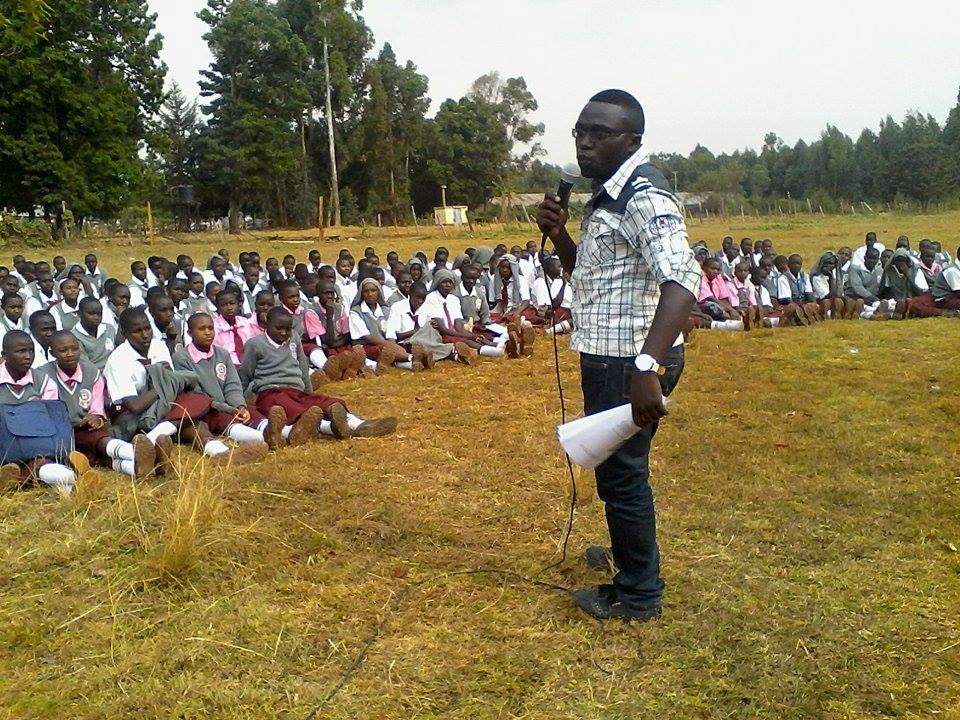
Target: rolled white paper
(593,438)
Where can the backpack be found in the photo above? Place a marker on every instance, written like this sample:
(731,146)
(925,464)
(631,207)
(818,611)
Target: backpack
(39,428)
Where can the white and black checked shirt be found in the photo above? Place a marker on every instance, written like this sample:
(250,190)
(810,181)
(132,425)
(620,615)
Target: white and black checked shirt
(633,239)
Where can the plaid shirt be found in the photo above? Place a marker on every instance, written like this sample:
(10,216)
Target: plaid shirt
(633,239)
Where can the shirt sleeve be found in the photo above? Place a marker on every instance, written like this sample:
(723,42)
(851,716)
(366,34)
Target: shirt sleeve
(49,391)
(358,328)
(394,320)
(653,225)
(97,400)
(120,379)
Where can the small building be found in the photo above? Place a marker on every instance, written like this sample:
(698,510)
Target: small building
(450,215)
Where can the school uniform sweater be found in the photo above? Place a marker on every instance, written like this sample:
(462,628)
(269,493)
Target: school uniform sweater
(77,396)
(30,387)
(862,283)
(217,376)
(947,283)
(96,349)
(267,365)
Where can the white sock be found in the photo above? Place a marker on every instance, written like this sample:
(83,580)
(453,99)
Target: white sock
(214,448)
(562,327)
(326,427)
(285,433)
(353,422)
(726,324)
(488,351)
(318,358)
(774,322)
(164,428)
(124,466)
(404,364)
(263,425)
(244,434)
(119,450)
(372,364)
(57,476)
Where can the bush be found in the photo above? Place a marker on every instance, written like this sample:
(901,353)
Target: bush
(28,233)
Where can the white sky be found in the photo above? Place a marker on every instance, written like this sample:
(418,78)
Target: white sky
(718,73)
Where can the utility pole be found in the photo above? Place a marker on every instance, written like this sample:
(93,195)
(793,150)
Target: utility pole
(674,182)
(334,181)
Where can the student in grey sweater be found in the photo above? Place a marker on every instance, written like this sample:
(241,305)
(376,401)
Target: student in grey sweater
(275,369)
(97,339)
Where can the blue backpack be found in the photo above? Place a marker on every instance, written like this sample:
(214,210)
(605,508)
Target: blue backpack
(39,428)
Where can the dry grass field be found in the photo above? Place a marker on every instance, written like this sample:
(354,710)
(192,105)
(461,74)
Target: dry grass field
(807,482)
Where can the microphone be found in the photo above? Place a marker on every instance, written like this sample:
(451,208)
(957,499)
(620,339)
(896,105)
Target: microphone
(569,174)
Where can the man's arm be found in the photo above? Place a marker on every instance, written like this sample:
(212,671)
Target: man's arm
(552,221)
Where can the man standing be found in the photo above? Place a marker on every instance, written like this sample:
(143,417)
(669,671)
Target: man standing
(635,281)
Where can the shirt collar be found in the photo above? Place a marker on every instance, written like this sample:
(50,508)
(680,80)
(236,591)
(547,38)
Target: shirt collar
(196,354)
(7,379)
(77,376)
(614,186)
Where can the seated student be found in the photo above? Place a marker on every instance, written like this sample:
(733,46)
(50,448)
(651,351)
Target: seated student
(288,266)
(942,256)
(96,338)
(114,302)
(79,384)
(232,330)
(149,397)
(901,282)
(184,267)
(210,292)
(44,296)
(20,383)
(828,287)
(794,286)
(67,311)
(59,267)
(715,301)
(196,300)
(275,369)
(95,274)
(251,286)
(728,256)
(368,324)
(164,323)
(218,379)
(346,284)
(139,283)
(12,318)
(863,283)
(336,358)
(262,303)
(83,282)
(746,250)
(512,304)
(176,289)
(217,271)
(945,290)
(309,292)
(401,290)
(42,328)
(869,241)
(553,303)
(307,327)
(443,310)
(928,262)
(441,257)
(418,270)
(742,289)
(314,261)
(764,312)
(476,312)
(421,339)
(885,257)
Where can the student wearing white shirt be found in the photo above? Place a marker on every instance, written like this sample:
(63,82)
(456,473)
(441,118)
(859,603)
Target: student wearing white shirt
(42,328)
(440,260)
(553,303)
(346,285)
(443,311)
(368,326)
(154,405)
(139,283)
(870,241)
(67,311)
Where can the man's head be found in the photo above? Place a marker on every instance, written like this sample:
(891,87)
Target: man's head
(161,308)
(469,274)
(59,263)
(327,292)
(870,239)
(69,291)
(139,270)
(314,257)
(870,258)
(844,254)
(903,242)
(17,352)
(119,297)
(42,326)
(45,283)
(91,315)
(279,325)
(404,281)
(711,268)
(90,260)
(552,267)
(201,330)
(795,264)
(886,256)
(418,294)
(262,304)
(66,350)
(135,326)
(928,256)
(609,130)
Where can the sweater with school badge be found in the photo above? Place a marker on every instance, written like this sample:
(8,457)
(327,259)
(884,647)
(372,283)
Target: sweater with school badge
(96,349)
(77,396)
(217,375)
(267,365)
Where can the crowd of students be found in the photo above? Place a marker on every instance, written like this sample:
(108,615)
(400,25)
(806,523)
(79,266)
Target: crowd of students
(750,286)
(232,358)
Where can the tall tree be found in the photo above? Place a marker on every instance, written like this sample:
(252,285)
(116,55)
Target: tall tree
(77,106)
(257,93)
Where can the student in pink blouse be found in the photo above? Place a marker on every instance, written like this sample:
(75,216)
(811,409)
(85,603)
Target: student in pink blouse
(232,330)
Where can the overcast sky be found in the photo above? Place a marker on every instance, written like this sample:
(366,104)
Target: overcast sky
(718,73)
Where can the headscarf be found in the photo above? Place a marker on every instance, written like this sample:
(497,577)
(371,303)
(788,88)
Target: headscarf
(441,275)
(459,260)
(483,256)
(358,300)
(425,275)
(498,281)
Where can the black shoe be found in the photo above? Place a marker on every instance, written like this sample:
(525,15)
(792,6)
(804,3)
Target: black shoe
(599,558)
(601,602)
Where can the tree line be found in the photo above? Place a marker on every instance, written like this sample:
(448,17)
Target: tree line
(294,107)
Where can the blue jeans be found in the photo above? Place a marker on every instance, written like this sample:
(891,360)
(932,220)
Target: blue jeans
(623,480)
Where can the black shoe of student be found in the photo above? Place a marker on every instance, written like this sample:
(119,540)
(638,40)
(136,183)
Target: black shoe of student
(600,602)
(598,558)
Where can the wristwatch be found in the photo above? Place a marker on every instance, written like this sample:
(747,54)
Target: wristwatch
(646,363)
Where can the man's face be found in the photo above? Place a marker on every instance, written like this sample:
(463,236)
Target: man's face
(927,256)
(279,329)
(19,356)
(139,271)
(552,269)
(506,274)
(314,257)
(66,350)
(139,334)
(91,262)
(11,285)
(120,298)
(90,316)
(43,328)
(445,286)
(469,276)
(606,138)
(70,291)
(416,300)
(870,260)
(59,263)
(844,254)
(45,283)
(162,311)
(404,281)
(14,309)
(794,263)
